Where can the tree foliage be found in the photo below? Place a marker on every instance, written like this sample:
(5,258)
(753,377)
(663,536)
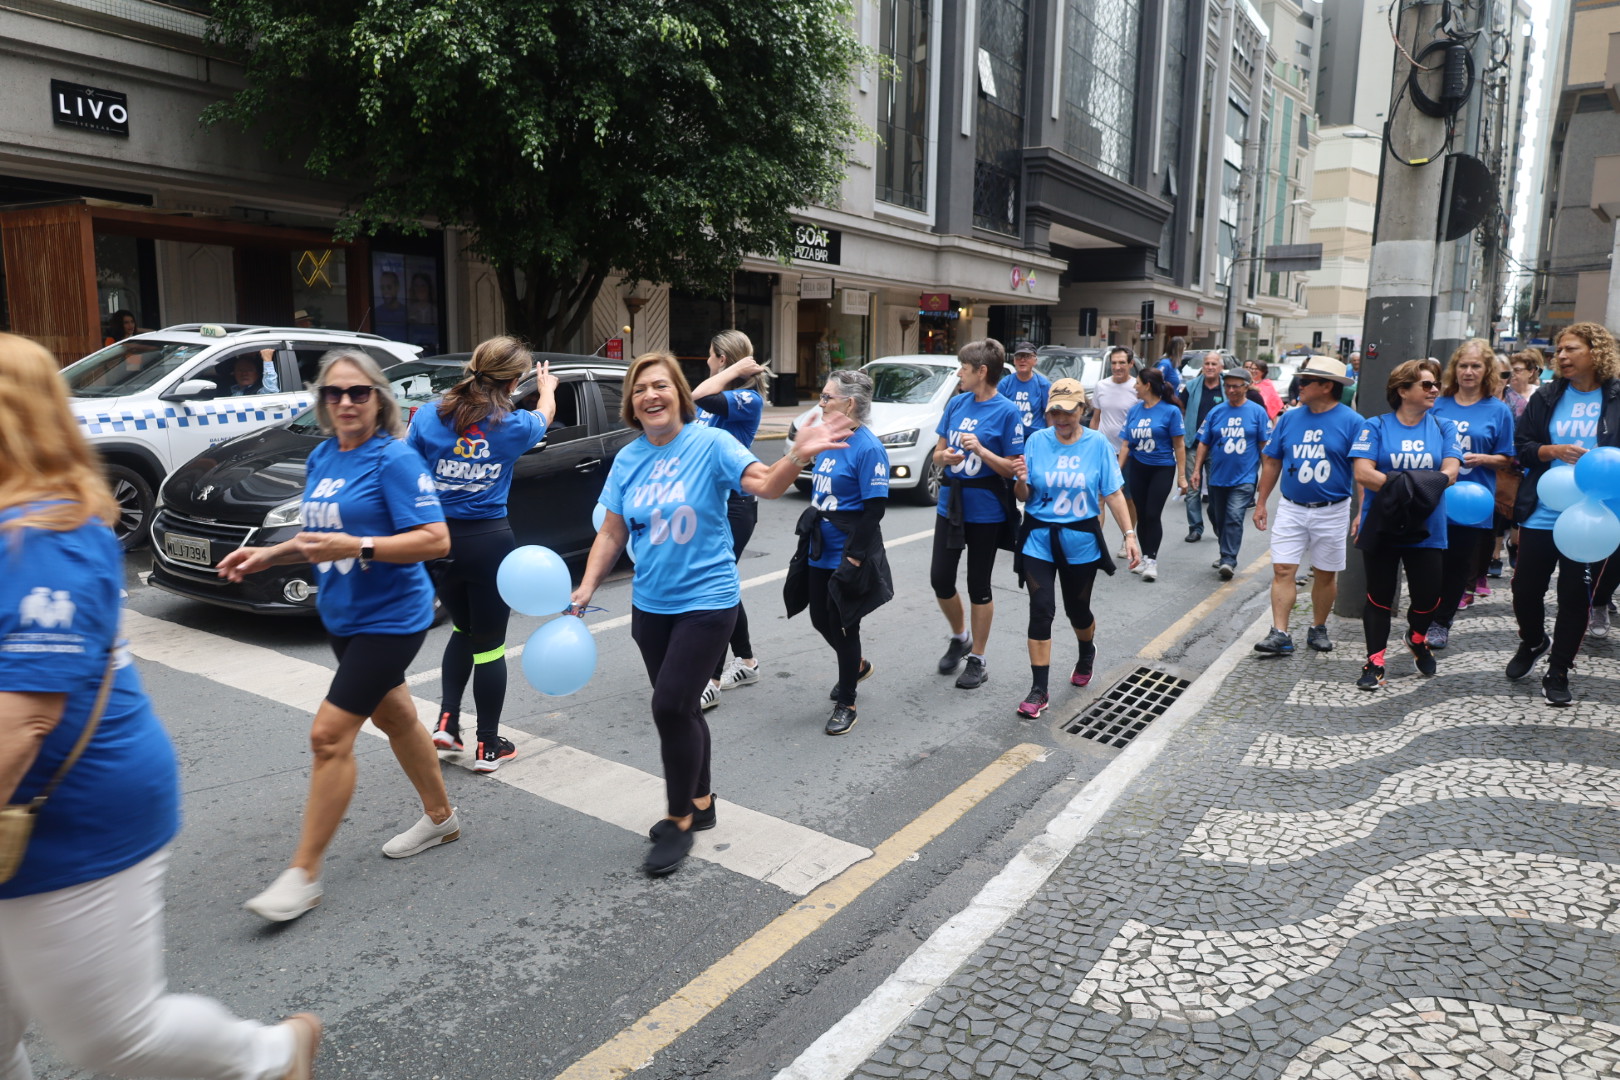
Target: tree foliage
(571,138)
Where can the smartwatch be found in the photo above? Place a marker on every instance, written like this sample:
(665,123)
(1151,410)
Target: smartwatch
(368,551)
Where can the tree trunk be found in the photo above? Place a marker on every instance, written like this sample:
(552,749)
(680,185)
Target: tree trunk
(550,310)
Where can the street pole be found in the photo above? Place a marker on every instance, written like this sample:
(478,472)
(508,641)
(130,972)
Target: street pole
(1406,231)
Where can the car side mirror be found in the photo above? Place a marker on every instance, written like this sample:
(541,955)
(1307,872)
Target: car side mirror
(193,390)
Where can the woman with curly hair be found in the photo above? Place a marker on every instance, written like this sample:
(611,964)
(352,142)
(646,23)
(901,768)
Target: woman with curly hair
(1578,411)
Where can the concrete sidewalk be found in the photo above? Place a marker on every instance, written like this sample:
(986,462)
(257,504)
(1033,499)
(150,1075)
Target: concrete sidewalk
(1297,879)
(773,425)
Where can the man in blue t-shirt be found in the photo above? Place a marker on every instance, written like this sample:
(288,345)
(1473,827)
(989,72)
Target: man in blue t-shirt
(1026,388)
(1229,442)
(1310,451)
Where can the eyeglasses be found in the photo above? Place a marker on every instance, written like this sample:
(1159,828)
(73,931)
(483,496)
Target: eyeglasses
(828,399)
(358,395)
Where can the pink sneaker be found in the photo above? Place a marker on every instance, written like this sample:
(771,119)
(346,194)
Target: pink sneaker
(1482,588)
(1467,601)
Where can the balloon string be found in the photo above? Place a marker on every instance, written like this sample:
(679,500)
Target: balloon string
(572,610)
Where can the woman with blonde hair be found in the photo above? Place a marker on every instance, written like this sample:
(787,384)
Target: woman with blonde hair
(371,519)
(470,443)
(81,918)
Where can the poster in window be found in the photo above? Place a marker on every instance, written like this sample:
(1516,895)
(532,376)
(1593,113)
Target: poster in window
(422,302)
(388,312)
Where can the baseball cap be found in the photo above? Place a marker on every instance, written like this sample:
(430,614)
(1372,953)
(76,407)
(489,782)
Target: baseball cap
(1024,347)
(1066,395)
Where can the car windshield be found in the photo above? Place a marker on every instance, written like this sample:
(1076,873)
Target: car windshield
(907,384)
(415,384)
(127,367)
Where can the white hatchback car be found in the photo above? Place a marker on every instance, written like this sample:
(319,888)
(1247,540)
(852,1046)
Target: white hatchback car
(154,401)
(908,398)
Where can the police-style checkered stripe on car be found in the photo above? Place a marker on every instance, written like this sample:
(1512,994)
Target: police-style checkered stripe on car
(198,415)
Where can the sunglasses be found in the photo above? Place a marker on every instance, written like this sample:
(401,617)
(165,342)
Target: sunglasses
(1303,383)
(1427,384)
(357,395)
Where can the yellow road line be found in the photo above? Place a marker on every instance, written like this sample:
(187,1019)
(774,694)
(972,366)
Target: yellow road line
(634,1047)
(1155,649)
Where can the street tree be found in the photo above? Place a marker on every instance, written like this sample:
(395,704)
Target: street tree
(570,138)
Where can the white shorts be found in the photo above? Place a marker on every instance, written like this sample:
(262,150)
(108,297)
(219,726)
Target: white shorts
(1321,532)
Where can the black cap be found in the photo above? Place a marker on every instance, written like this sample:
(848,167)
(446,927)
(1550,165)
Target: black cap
(1024,347)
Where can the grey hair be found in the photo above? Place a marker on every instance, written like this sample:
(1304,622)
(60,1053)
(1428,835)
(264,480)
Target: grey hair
(389,418)
(857,386)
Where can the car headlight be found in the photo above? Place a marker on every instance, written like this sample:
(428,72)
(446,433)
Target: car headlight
(900,438)
(288,513)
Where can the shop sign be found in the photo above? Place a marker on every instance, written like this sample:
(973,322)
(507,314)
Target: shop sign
(933,302)
(1200,314)
(857,302)
(1251,321)
(73,105)
(615,348)
(1175,307)
(1021,278)
(815,288)
(812,243)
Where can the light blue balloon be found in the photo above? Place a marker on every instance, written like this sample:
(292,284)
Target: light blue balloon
(598,516)
(1587,532)
(560,657)
(1598,473)
(534,580)
(1468,503)
(1557,489)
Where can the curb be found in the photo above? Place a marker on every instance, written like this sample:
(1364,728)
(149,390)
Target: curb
(842,1048)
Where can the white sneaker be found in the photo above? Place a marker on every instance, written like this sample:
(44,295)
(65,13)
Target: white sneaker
(288,897)
(738,674)
(1122,553)
(1150,569)
(1598,623)
(423,835)
(1141,564)
(711,696)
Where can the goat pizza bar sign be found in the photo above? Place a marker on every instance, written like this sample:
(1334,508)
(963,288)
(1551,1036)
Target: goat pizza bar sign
(75,105)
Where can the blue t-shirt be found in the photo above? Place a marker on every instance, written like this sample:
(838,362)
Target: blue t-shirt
(1030,397)
(1315,451)
(673,498)
(1234,438)
(1485,427)
(1172,376)
(743,411)
(1394,447)
(843,480)
(1574,421)
(59,614)
(1148,432)
(1000,427)
(377,489)
(473,472)
(1068,483)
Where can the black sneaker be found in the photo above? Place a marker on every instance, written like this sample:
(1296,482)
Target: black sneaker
(1372,676)
(1555,687)
(1193,537)
(1081,676)
(1525,657)
(1276,643)
(492,755)
(973,675)
(1495,568)
(1316,637)
(866,673)
(841,720)
(671,844)
(702,820)
(955,649)
(447,736)
(1422,655)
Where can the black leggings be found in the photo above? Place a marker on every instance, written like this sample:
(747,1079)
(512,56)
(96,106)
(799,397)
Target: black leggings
(476,648)
(845,640)
(369,666)
(742,514)
(1382,565)
(1076,582)
(982,540)
(679,652)
(1468,554)
(1149,488)
(1538,557)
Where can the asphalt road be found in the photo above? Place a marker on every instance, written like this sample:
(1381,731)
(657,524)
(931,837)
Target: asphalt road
(533,941)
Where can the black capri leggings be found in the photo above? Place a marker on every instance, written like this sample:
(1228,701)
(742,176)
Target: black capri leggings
(1149,488)
(982,540)
(1468,555)
(1076,582)
(476,648)
(1538,558)
(742,514)
(845,640)
(370,665)
(679,651)
(1422,585)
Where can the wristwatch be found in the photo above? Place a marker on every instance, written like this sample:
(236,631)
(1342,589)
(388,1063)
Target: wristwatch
(368,551)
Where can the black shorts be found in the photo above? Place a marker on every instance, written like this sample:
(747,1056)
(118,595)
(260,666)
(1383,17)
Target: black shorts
(370,665)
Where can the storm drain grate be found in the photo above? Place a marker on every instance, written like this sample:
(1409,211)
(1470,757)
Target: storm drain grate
(1129,706)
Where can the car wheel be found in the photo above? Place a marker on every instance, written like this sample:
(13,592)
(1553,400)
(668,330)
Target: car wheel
(804,487)
(927,490)
(134,497)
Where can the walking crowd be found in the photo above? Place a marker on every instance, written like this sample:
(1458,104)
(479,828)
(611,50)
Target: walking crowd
(1028,466)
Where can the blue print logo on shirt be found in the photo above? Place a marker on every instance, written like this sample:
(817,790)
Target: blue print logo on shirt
(47,610)
(472,445)
(1142,436)
(663,486)
(1311,457)
(324,515)
(1413,454)
(1578,426)
(1072,488)
(1233,440)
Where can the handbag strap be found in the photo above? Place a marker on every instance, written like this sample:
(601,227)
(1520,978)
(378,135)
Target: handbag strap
(84,736)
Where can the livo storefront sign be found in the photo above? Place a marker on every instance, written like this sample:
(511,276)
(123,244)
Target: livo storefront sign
(76,105)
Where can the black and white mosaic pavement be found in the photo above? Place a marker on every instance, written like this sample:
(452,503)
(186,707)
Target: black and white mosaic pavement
(1314,882)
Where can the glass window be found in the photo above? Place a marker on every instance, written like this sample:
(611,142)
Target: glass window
(612,391)
(128,367)
(405,299)
(1237,121)
(1100,64)
(1000,127)
(320,286)
(907,384)
(694,319)
(902,123)
(1175,59)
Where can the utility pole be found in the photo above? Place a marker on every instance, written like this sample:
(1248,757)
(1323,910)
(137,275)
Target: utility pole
(1401,277)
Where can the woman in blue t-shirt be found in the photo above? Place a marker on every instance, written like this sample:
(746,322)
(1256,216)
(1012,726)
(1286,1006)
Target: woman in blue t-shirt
(668,490)
(1153,441)
(1468,398)
(81,916)
(732,399)
(471,441)
(371,518)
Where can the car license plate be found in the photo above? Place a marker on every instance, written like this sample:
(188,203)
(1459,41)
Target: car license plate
(191,549)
